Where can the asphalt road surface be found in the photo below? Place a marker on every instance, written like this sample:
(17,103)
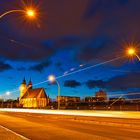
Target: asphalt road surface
(45,127)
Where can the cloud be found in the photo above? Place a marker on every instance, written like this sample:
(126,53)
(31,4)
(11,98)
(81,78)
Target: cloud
(72,83)
(21,69)
(109,23)
(40,67)
(130,81)
(59,66)
(4,66)
(95,83)
(104,52)
(21,51)
(63,27)
(123,82)
(99,6)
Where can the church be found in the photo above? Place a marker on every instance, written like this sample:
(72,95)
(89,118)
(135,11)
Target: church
(32,97)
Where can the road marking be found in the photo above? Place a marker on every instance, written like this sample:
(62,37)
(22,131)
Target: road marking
(21,136)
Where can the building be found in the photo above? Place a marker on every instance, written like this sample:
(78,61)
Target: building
(101,95)
(68,100)
(117,100)
(32,97)
(90,99)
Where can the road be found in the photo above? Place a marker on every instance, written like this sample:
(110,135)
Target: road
(53,127)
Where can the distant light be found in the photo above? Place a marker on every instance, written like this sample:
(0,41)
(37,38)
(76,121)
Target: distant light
(51,78)
(8,93)
(81,65)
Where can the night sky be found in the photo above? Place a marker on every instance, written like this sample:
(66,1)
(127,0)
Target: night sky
(69,35)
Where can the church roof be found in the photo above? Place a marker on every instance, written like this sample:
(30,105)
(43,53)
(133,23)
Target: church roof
(34,93)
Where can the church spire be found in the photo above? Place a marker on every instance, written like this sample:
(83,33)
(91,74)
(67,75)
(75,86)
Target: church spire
(23,88)
(24,81)
(30,84)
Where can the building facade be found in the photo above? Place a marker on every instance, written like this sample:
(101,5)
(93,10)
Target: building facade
(68,100)
(32,97)
(90,99)
(101,95)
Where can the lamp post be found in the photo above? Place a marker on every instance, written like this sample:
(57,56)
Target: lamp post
(52,78)
(28,12)
(3,97)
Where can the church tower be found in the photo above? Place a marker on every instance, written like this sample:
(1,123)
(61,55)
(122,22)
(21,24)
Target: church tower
(23,88)
(29,86)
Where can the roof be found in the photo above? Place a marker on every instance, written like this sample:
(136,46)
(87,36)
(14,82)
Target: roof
(34,93)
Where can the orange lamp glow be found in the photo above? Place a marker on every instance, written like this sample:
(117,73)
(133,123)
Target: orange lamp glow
(30,13)
(131,51)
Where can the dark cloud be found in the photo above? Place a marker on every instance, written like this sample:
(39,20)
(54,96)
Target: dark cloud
(21,69)
(114,21)
(24,51)
(72,83)
(59,66)
(97,7)
(119,83)
(4,66)
(124,82)
(40,67)
(62,27)
(104,52)
(95,83)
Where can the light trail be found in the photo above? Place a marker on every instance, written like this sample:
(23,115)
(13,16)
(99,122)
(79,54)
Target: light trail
(74,72)
(80,70)
(133,99)
(125,94)
(114,114)
(20,43)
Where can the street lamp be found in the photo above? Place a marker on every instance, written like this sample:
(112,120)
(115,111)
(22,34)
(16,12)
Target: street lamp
(28,12)
(8,93)
(52,78)
(132,52)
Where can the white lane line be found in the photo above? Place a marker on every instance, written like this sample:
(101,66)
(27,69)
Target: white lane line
(14,133)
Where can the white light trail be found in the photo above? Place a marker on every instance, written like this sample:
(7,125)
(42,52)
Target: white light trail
(127,94)
(116,114)
(77,71)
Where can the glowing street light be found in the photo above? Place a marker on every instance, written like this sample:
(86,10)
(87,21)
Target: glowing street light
(52,78)
(29,12)
(132,52)
(8,93)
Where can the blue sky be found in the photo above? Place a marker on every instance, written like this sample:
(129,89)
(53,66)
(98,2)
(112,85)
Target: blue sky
(69,33)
